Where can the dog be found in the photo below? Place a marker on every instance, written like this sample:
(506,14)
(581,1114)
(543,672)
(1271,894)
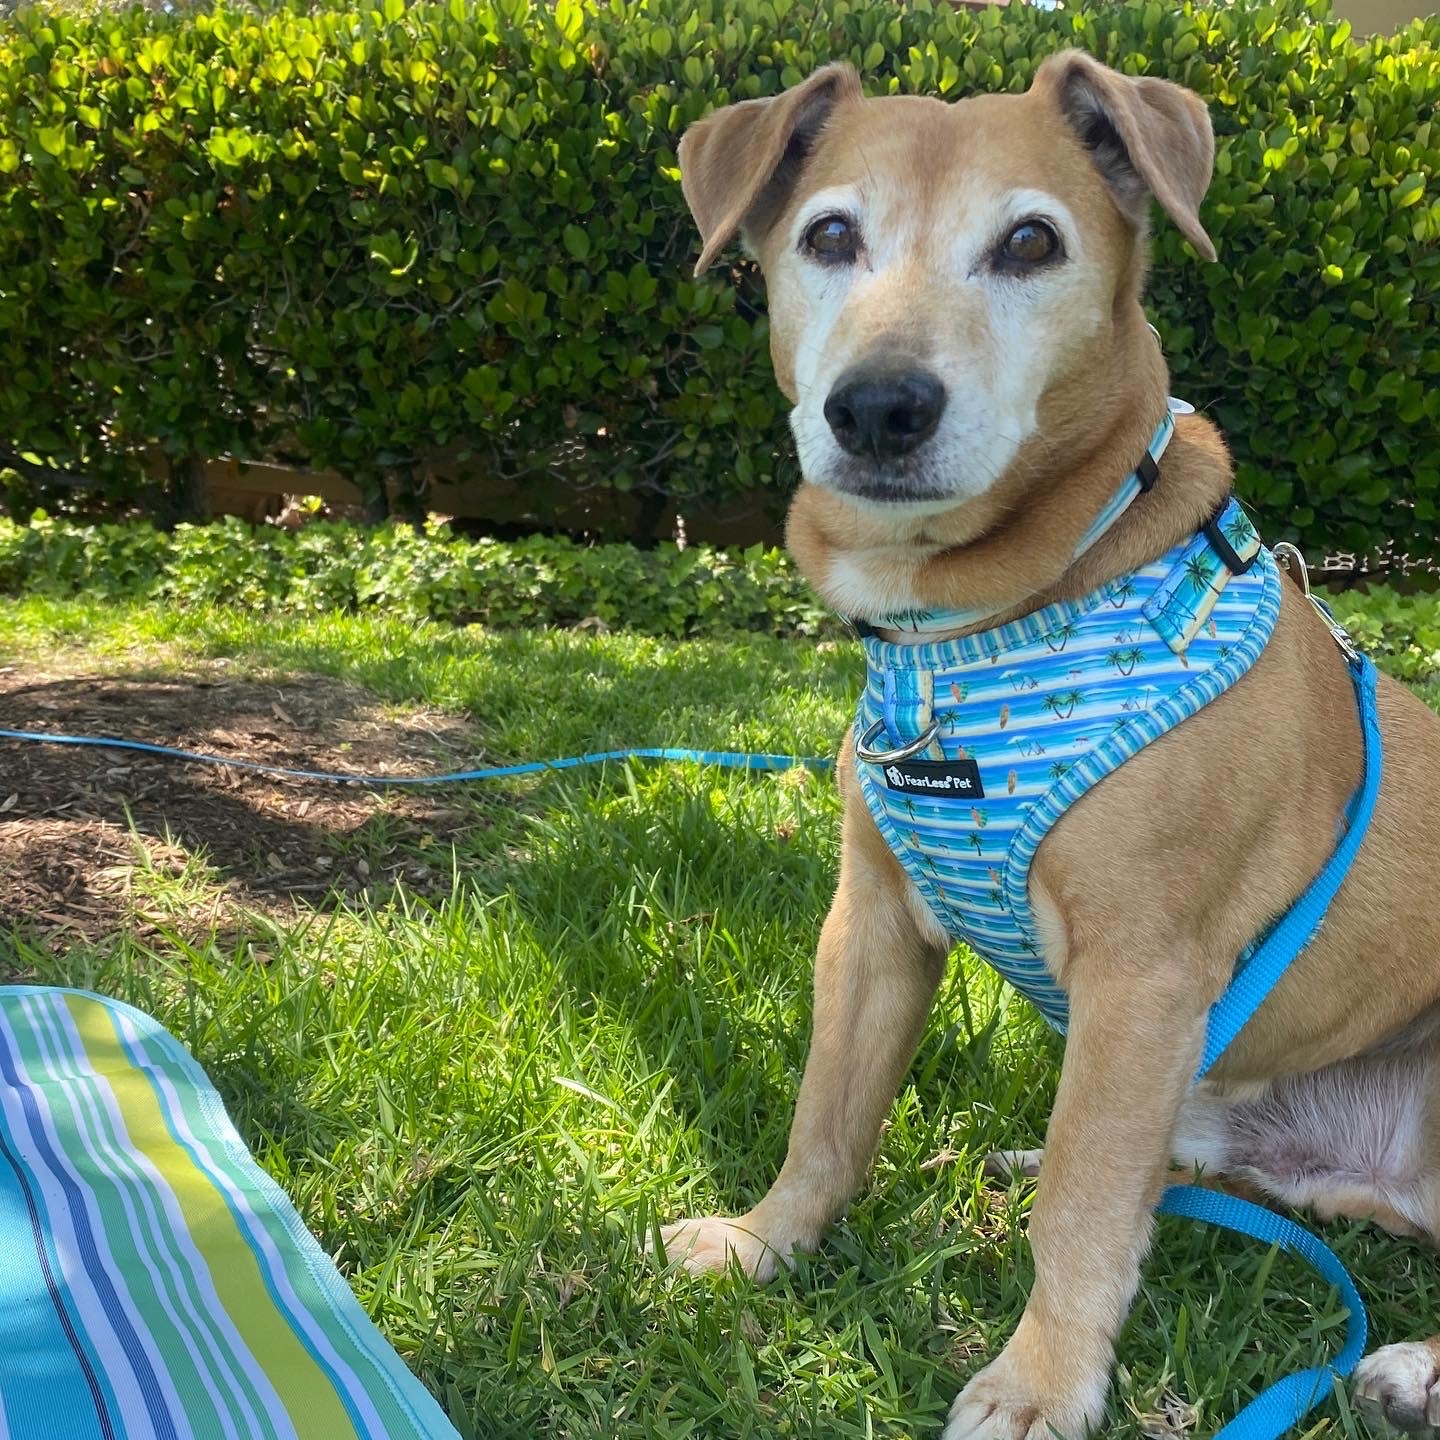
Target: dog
(954,293)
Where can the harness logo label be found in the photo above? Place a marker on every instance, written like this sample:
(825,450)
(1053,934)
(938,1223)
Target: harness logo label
(936,777)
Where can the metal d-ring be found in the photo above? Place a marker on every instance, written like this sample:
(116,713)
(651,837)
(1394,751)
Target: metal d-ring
(902,752)
(1294,562)
(1290,557)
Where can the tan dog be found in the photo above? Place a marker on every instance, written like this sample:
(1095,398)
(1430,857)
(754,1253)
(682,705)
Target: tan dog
(955,313)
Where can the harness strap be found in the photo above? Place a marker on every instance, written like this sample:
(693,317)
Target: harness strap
(1235,563)
(1225,546)
(1147,472)
(908,706)
(1272,957)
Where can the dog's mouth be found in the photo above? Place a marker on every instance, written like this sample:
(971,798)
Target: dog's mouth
(882,492)
(904,482)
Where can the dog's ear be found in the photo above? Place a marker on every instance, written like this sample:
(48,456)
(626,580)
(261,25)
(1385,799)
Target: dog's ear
(1147,137)
(737,164)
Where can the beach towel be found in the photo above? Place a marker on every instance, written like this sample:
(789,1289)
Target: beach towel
(154,1281)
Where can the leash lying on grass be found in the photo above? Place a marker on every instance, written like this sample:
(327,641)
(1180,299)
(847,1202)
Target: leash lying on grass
(727,759)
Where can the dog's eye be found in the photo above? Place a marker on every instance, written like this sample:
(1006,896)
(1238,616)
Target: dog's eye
(832,237)
(1032,242)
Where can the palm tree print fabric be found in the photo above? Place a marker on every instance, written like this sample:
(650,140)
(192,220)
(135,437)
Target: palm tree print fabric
(1047,706)
(1183,603)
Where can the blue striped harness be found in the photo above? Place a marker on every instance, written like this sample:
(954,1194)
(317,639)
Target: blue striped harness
(970,748)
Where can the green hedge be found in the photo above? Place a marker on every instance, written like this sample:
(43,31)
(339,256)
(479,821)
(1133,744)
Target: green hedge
(361,234)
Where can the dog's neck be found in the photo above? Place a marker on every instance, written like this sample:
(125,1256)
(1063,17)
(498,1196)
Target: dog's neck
(1013,550)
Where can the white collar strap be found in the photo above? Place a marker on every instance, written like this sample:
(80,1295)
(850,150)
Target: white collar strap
(917,626)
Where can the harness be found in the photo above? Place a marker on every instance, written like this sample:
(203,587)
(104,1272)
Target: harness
(969,749)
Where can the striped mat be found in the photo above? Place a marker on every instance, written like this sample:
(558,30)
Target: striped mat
(155,1283)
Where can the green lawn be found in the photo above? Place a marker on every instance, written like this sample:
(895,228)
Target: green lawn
(482,1104)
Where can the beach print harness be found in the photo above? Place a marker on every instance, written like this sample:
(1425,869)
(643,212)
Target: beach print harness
(969,749)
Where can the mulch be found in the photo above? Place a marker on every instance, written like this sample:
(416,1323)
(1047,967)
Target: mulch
(80,828)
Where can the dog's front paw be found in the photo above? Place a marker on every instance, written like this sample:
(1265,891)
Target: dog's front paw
(1402,1384)
(713,1243)
(1014,1400)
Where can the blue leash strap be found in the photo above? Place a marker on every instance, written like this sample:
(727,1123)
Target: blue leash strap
(1272,957)
(728,759)
(1285,1403)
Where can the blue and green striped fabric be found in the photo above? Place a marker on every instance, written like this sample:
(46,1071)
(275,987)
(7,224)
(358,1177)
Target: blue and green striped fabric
(154,1281)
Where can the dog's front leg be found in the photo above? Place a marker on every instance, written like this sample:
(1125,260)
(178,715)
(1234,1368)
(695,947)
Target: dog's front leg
(1133,1046)
(876,973)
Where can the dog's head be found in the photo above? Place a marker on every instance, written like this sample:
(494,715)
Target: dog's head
(939,273)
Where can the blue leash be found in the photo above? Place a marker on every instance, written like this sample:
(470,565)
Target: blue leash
(728,759)
(1285,1403)
(1272,957)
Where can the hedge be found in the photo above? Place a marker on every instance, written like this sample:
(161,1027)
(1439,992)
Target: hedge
(364,233)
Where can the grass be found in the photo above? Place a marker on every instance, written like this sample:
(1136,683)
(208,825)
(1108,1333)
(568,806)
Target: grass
(482,1105)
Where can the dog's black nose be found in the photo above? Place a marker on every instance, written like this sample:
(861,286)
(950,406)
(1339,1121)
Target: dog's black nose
(884,413)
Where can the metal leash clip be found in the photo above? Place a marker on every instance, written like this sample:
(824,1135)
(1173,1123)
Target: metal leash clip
(1288,556)
(902,752)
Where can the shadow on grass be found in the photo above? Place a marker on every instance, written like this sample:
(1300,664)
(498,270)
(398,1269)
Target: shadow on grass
(84,823)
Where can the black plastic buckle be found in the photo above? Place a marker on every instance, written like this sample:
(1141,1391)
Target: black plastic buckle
(1147,472)
(1223,548)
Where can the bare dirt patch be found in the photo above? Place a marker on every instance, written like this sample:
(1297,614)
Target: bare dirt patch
(85,833)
